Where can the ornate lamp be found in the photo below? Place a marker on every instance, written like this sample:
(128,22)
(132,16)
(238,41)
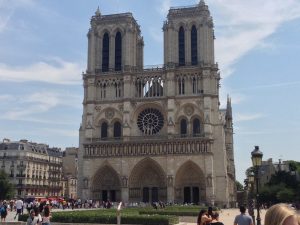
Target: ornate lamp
(256,157)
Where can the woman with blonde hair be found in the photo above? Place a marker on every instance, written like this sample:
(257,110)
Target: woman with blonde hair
(281,214)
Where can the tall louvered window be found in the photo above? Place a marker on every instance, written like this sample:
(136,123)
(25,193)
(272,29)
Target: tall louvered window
(118,52)
(181,47)
(194,52)
(105,53)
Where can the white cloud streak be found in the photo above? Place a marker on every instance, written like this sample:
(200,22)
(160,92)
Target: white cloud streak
(30,106)
(7,9)
(164,7)
(245,25)
(61,72)
(247,117)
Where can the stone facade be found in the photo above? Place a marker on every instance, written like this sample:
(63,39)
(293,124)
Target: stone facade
(34,169)
(70,170)
(150,134)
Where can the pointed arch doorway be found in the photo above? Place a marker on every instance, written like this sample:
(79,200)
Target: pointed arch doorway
(106,185)
(147,182)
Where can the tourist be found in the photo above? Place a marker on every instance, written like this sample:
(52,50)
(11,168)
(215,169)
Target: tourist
(19,206)
(46,215)
(203,217)
(215,219)
(31,218)
(3,211)
(210,212)
(281,214)
(243,219)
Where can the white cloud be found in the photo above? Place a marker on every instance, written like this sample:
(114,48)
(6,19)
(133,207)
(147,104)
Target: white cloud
(164,7)
(28,107)
(245,25)
(61,72)
(7,9)
(247,117)
(66,133)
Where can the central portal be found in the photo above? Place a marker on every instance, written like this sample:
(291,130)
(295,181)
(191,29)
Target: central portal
(150,194)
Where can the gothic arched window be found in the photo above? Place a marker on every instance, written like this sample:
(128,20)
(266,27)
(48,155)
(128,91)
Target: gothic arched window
(118,52)
(183,127)
(181,86)
(194,52)
(105,53)
(196,127)
(181,47)
(104,127)
(117,129)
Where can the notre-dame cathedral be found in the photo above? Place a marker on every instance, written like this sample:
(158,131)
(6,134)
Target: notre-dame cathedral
(155,134)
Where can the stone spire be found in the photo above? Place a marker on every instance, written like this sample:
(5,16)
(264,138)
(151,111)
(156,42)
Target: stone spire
(201,3)
(228,108)
(98,13)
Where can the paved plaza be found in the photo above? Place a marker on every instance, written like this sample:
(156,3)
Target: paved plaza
(226,216)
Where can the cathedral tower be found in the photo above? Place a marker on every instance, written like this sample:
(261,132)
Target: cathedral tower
(157,133)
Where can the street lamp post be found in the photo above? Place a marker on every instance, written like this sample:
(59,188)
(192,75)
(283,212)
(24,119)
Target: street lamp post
(256,157)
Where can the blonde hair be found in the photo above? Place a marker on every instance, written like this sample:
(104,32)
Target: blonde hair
(277,214)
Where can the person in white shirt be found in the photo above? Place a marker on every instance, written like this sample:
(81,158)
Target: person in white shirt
(19,206)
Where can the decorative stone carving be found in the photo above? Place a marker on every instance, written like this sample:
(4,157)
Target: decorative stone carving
(189,110)
(121,108)
(124,181)
(209,180)
(170,180)
(170,121)
(85,183)
(207,119)
(91,81)
(98,108)
(109,114)
(89,125)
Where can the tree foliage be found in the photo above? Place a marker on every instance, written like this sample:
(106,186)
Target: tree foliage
(6,188)
(239,186)
(282,187)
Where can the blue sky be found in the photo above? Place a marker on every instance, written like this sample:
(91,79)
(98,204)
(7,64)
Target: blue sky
(43,51)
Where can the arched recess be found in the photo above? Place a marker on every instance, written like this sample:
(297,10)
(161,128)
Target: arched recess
(197,127)
(190,184)
(147,182)
(117,129)
(104,130)
(106,185)
(182,126)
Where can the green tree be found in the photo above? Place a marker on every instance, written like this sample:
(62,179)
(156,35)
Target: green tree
(239,186)
(6,188)
(285,195)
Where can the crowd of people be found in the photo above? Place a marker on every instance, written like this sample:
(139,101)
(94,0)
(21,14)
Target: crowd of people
(40,212)
(279,214)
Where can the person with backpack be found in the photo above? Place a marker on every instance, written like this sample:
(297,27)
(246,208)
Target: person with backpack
(3,211)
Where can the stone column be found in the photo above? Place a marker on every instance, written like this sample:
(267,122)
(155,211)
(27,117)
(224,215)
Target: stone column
(170,188)
(125,189)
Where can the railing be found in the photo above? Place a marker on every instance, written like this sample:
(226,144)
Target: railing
(143,138)
(158,67)
(191,146)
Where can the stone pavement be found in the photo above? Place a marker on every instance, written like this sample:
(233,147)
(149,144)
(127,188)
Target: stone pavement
(226,216)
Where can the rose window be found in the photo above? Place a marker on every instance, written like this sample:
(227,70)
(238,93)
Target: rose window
(150,121)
